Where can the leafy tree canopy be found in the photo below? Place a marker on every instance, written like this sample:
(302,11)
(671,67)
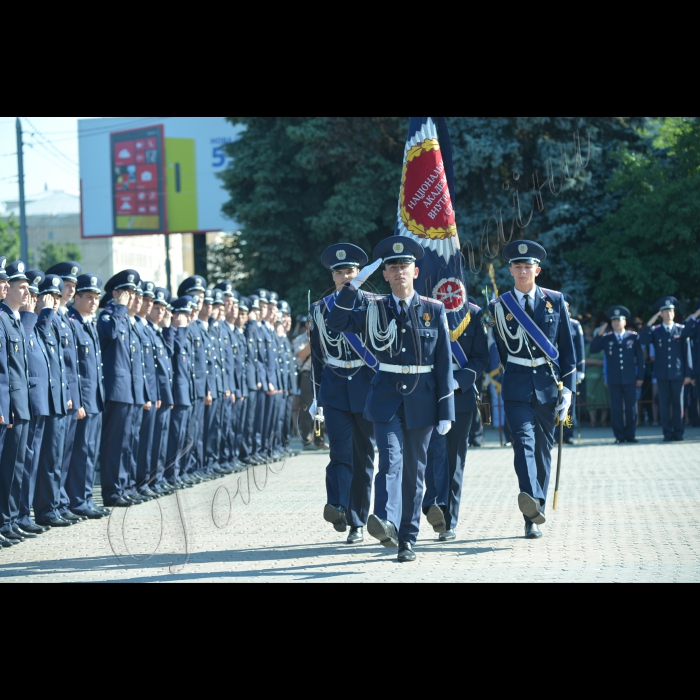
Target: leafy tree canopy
(9,239)
(52,253)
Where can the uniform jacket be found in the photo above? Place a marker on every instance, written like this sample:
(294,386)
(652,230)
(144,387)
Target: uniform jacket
(183,379)
(199,357)
(4,375)
(90,368)
(45,327)
(215,365)
(226,356)
(337,387)
(670,353)
(40,380)
(422,339)
(257,354)
(64,330)
(114,330)
(14,346)
(241,353)
(579,344)
(148,361)
(474,343)
(520,383)
(163,364)
(624,361)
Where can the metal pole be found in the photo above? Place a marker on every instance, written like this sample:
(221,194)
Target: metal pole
(24,246)
(167,261)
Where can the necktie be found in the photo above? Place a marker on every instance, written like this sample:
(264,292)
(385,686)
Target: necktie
(528,307)
(402,304)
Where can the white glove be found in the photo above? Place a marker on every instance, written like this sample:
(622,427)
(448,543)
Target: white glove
(563,408)
(580,376)
(316,413)
(363,275)
(444,427)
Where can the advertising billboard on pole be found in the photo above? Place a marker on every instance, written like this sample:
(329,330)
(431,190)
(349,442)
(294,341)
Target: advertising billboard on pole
(145,175)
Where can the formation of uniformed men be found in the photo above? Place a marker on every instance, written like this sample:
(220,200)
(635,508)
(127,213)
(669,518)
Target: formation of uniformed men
(161,393)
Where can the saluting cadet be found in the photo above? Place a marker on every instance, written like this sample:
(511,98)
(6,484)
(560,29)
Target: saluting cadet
(68,272)
(670,366)
(267,357)
(220,394)
(624,371)
(257,354)
(158,319)
(342,376)
(226,435)
(81,473)
(123,386)
(5,413)
(412,391)
(446,459)
(247,378)
(177,336)
(40,387)
(292,372)
(535,346)
(47,496)
(580,351)
(19,411)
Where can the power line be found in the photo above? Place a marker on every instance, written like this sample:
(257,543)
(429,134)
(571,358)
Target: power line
(50,144)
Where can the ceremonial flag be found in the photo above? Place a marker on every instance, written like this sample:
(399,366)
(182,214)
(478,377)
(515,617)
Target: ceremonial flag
(427,215)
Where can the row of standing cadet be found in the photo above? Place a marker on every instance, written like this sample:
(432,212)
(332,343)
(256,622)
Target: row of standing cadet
(155,393)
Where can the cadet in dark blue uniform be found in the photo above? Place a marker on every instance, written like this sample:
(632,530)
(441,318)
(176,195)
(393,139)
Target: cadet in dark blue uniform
(256,408)
(220,393)
(224,331)
(68,272)
(267,357)
(40,387)
(121,386)
(81,473)
(670,366)
(447,454)
(412,391)
(5,415)
(159,319)
(177,337)
(247,380)
(19,411)
(580,351)
(537,352)
(342,379)
(624,372)
(292,373)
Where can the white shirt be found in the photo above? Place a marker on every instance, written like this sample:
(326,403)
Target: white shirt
(398,300)
(668,328)
(521,297)
(619,337)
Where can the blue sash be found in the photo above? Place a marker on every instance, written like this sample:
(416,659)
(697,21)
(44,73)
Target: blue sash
(511,303)
(355,343)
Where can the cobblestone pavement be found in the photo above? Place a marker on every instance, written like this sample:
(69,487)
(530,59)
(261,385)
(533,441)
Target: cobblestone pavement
(626,513)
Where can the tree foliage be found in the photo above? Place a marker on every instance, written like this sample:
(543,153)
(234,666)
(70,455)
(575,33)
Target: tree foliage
(650,246)
(9,239)
(299,184)
(52,253)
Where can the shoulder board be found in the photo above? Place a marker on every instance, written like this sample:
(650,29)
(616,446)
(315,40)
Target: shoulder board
(607,333)
(681,325)
(431,301)
(633,332)
(375,297)
(658,325)
(474,307)
(551,291)
(317,303)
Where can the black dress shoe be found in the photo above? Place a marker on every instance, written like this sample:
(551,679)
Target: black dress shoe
(532,532)
(24,533)
(618,442)
(531,507)
(148,493)
(436,518)
(336,516)
(4,542)
(34,529)
(13,536)
(406,552)
(384,531)
(678,438)
(121,502)
(447,536)
(54,522)
(71,517)
(356,535)
(633,440)
(91,514)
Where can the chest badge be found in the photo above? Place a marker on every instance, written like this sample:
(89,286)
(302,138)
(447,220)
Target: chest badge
(509,317)
(16,348)
(87,350)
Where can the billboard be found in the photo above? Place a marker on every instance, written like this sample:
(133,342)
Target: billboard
(145,175)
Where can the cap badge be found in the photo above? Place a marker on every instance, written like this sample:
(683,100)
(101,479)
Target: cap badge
(130,279)
(55,281)
(149,286)
(161,295)
(93,281)
(341,254)
(20,267)
(668,301)
(74,270)
(3,263)
(617,312)
(522,249)
(397,247)
(37,280)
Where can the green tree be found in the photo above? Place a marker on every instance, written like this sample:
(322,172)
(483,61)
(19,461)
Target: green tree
(9,239)
(650,245)
(52,253)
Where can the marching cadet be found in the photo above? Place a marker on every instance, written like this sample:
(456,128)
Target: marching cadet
(624,371)
(81,472)
(123,383)
(40,393)
(68,272)
(535,346)
(342,379)
(14,348)
(670,365)
(247,379)
(177,336)
(580,350)
(412,391)
(443,477)
(158,319)
(195,287)
(47,503)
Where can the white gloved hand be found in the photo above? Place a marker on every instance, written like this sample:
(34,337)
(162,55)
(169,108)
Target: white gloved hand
(580,376)
(563,408)
(444,427)
(316,413)
(363,275)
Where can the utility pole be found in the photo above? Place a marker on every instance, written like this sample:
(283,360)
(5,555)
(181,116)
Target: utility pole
(24,246)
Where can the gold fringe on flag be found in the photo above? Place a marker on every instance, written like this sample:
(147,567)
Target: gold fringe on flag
(461,327)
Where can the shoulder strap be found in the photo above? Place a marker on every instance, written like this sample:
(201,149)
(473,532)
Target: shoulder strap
(530,327)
